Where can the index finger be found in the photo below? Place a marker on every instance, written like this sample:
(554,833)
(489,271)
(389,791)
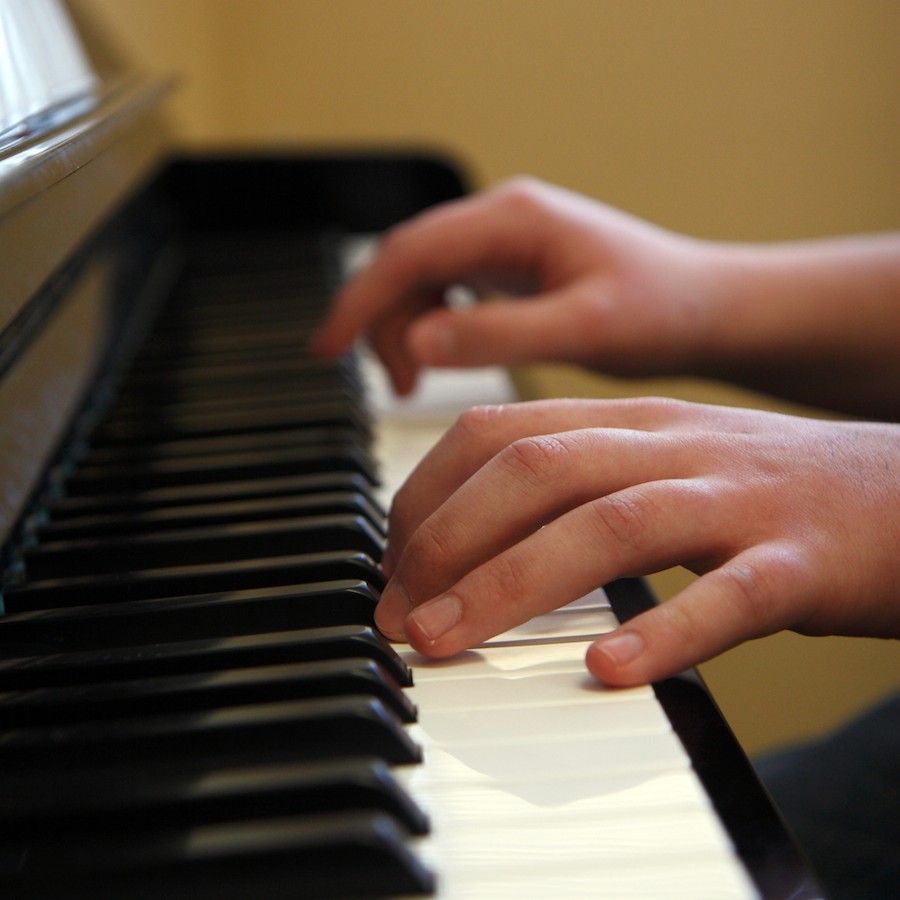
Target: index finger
(480,237)
(482,432)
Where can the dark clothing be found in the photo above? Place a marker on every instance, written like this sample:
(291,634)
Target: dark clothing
(841,799)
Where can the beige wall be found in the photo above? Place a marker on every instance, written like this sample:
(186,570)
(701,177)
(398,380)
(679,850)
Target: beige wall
(750,119)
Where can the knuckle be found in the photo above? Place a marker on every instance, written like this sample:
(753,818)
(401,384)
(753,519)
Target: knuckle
(432,547)
(474,436)
(395,240)
(505,580)
(400,512)
(741,579)
(478,420)
(521,194)
(593,306)
(623,518)
(664,409)
(766,587)
(540,459)
(680,624)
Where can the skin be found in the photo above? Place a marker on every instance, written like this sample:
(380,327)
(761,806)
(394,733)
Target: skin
(790,522)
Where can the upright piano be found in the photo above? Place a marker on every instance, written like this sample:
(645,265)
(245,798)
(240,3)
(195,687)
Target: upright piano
(194,701)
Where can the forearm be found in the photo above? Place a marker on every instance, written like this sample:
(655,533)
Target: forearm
(817,321)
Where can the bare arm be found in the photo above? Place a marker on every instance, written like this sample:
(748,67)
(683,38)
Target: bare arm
(815,321)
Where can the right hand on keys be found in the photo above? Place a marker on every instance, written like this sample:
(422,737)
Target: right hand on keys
(790,522)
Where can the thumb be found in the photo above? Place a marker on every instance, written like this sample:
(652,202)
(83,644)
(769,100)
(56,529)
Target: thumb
(720,610)
(504,332)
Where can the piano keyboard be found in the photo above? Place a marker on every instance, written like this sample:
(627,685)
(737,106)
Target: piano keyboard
(194,701)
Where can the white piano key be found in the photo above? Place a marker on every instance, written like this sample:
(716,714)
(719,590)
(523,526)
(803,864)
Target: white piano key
(497,723)
(509,658)
(696,876)
(608,795)
(566,624)
(504,691)
(452,758)
(563,837)
(563,824)
(574,810)
(540,781)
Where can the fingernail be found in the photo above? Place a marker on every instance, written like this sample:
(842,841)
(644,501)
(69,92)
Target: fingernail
(392,609)
(622,647)
(435,618)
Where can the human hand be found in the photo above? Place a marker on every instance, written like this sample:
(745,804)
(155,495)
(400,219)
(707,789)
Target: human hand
(604,288)
(790,522)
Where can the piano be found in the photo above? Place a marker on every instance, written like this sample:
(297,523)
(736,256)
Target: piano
(194,701)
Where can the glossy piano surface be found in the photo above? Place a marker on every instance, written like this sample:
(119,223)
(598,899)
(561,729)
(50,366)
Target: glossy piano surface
(192,698)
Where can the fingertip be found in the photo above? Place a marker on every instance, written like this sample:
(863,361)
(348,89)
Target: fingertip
(403,382)
(392,609)
(618,658)
(322,344)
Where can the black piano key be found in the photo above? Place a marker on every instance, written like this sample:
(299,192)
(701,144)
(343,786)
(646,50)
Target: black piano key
(214,615)
(183,794)
(116,733)
(102,454)
(291,415)
(263,308)
(37,666)
(183,495)
(199,371)
(196,579)
(149,521)
(68,704)
(191,342)
(178,400)
(262,732)
(203,544)
(356,855)
(272,462)
(227,396)
(179,358)
(200,374)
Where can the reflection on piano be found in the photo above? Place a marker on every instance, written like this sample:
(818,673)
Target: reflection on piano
(193,700)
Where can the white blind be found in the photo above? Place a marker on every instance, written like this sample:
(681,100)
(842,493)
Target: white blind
(43,66)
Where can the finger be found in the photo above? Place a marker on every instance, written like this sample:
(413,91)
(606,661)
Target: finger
(758,592)
(531,482)
(477,435)
(388,338)
(637,530)
(565,325)
(482,432)
(486,238)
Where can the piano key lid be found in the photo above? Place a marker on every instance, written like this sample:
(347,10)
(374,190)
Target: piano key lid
(45,74)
